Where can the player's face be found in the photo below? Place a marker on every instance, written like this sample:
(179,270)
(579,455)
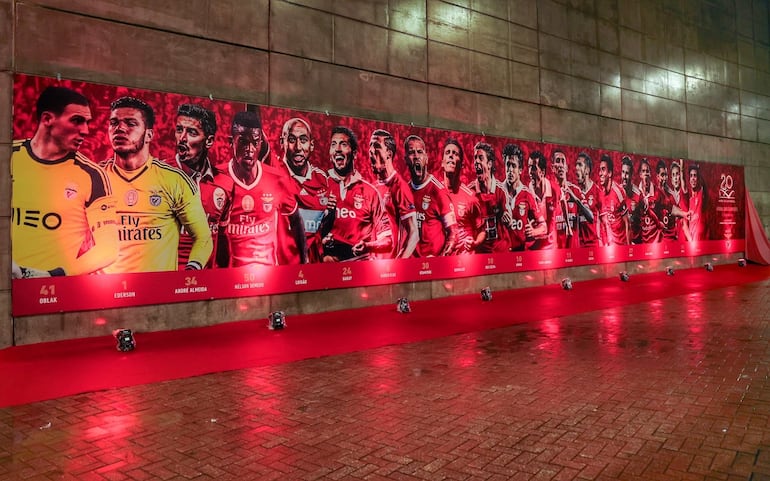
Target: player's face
(191,142)
(662,177)
(512,169)
(246,144)
(605,176)
(676,177)
(68,130)
(693,180)
(644,174)
(380,156)
(450,161)
(560,165)
(481,163)
(297,146)
(535,172)
(581,170)
(341,154)
(625,176)
(128,133)
(417,160)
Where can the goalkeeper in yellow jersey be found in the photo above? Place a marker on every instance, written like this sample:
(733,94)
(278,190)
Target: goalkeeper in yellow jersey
(63,210)
(154,199)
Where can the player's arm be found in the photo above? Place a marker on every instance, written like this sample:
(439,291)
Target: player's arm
(222,243)
(412,236)
(100,248)
(195,220)
(298,233)
(582,207)
(381,236)
(537,227)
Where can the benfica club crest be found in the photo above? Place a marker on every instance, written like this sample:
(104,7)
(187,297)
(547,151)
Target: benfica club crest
(267,202)
(358,200)
(460,210)
(591,200)
(425,202)
(219,197)
(155,199)
(522,209)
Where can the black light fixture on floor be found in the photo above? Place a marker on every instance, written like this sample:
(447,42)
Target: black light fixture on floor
(741,262)
(566,284)
(486,294)
(709,266)
(624,276)
(402,305)
(276,320)
(125,340)
(669,271)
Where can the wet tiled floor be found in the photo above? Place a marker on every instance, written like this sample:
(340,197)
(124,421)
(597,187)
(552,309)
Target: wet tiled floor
(673,389)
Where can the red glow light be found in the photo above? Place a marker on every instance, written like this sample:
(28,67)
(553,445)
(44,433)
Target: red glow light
(100,321)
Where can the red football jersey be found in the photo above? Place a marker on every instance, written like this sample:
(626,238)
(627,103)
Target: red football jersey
(679,199)
(493,205)
(252,230)
(359,215)
(634,215)
(468,215)
(524,210)
(399,205)
(611,217)
(566,218)
(312,193)
(695,207)
(649,207)
(216,189)
(434,213)
(588,232)
(549,205)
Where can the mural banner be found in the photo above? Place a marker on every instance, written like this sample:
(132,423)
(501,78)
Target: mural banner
(125,197)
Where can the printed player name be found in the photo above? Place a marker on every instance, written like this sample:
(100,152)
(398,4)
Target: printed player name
(384,275)
(250,285)
(490,266)
(124,294)
(426,272)
(49,300)
(190,290)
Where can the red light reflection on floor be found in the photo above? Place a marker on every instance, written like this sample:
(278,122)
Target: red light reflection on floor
(551,329)
(695,321)
(610,324)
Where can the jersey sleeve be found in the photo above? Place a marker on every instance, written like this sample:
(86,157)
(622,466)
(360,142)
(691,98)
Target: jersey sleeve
(100,247)
(193,217)
(445,208)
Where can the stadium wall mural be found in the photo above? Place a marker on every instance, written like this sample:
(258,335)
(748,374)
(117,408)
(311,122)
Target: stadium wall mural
(125,197)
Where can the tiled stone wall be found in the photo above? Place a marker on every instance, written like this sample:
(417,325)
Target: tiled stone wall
(676,78)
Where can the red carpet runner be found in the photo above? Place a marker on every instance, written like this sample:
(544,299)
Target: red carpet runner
(50,370)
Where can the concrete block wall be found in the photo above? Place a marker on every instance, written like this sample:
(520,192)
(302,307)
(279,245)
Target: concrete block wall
(684,78)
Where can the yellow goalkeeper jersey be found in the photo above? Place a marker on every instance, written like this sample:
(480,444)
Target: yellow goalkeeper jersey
(62,214)
(153,203)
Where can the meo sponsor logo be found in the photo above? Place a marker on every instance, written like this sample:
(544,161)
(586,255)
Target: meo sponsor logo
(345,213)
(32,218)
